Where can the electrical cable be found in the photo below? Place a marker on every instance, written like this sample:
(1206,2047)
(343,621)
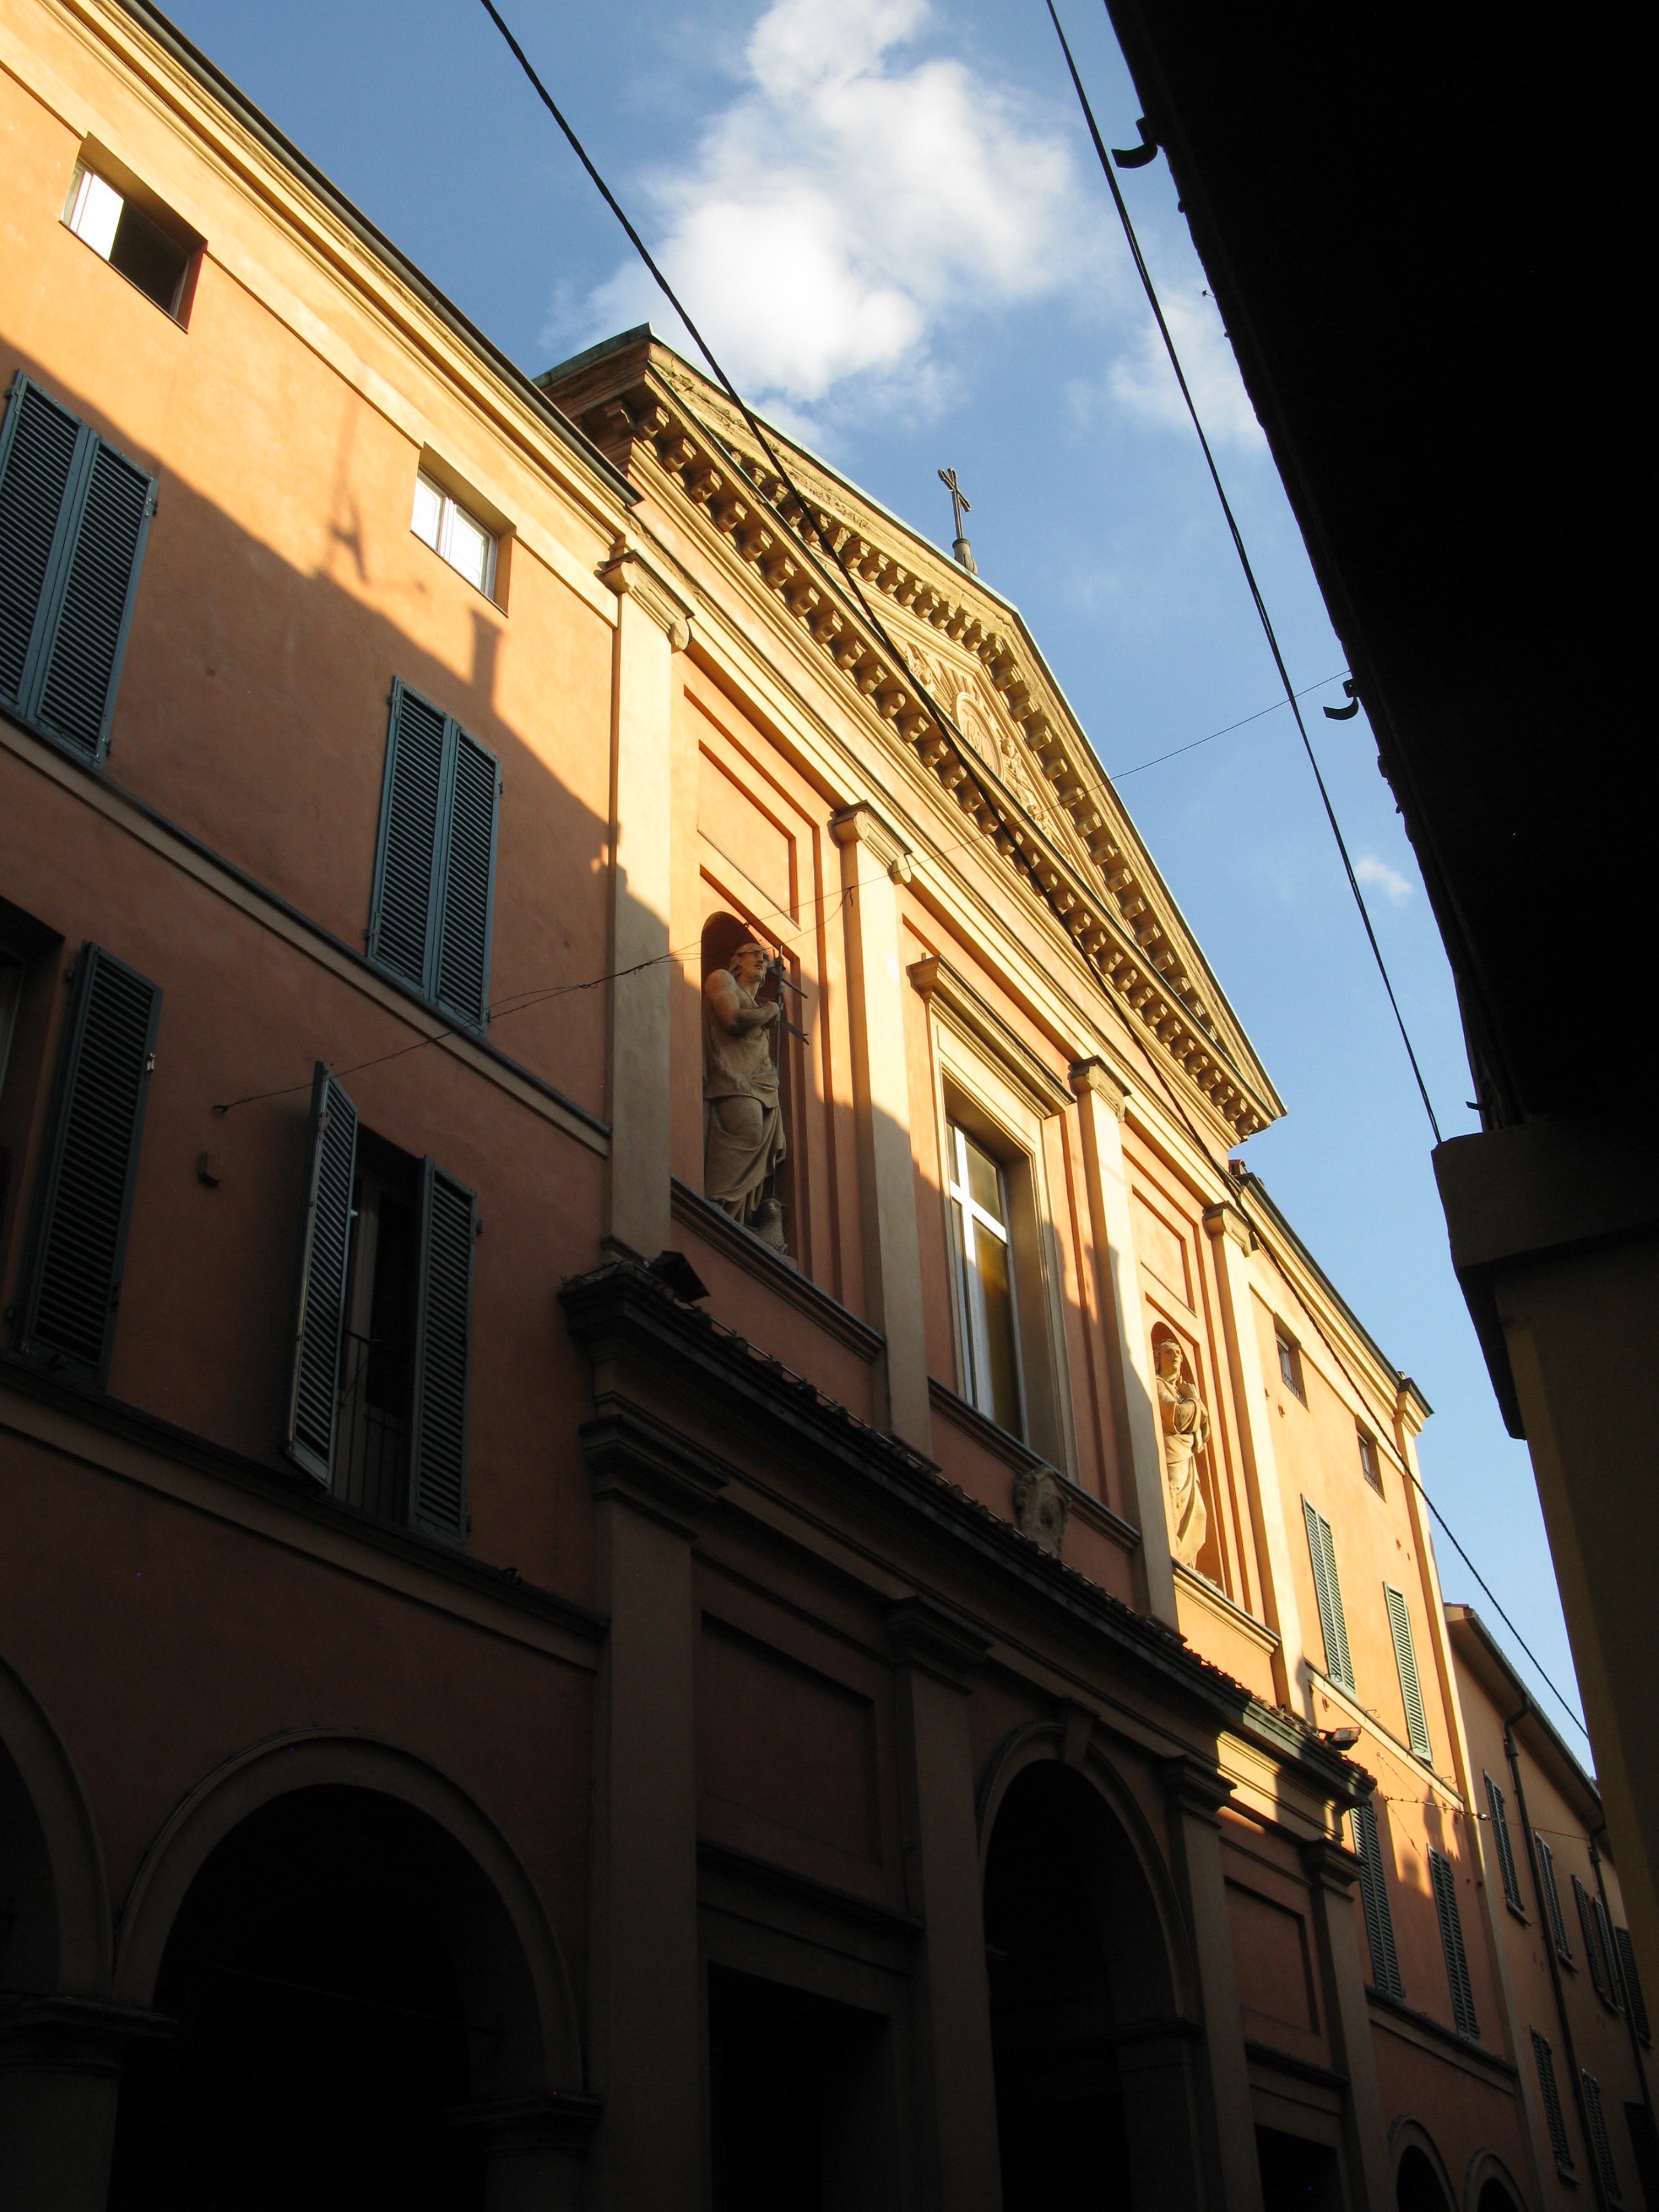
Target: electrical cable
(1151,290)
(1118,774)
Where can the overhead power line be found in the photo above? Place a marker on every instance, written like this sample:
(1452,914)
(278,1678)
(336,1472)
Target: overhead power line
(1118,774)
(1151,290)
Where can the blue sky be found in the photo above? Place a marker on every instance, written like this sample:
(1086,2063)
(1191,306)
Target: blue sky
(889,223)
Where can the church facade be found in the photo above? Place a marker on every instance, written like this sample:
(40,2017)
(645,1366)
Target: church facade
(680,1532)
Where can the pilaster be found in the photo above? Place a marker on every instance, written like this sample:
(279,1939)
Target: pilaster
(1233,1240)
(654,623)
(1332,1872)
(1102,1098)
(60,2078)
(936,1651)
(535,2151)
(875,861)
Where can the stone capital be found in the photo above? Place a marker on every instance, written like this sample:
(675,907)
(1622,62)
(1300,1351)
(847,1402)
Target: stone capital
(559,2122)
(1100,1078)
(630,575)
(1330,1862)
(937,1638)
(633,1457)
(860,824)
(1192,1785)
(1224,1219)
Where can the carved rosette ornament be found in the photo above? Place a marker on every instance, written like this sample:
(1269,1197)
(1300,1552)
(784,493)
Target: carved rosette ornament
(1186,1426)
(1041,1506)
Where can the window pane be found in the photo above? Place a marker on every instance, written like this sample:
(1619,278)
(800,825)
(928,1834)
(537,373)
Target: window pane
(428,511)
(1000,1388)
(95,213)
(155,262)
(467,547)
(984,1182)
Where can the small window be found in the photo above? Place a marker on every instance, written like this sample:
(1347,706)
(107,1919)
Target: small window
(454,535)
(981,1251)
(1290,1361)
(1370,1465)
(124,236)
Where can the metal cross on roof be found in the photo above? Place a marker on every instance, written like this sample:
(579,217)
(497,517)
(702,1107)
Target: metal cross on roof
(960,505)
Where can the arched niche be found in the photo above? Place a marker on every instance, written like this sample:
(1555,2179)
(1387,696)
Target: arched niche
(1095,2049)
(1421,2183)
(55,1937)
(362,1974)
(722,933)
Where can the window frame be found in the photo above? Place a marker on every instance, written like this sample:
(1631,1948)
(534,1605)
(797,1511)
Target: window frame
(94,166)
(1370,1462)
(451,504)
(969,1219)
(1290,1361)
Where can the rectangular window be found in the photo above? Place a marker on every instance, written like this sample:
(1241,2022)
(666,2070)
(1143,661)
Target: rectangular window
(434,872)
(1328,1591)
(455,536)
(1443,1880)
(1374,1897)
(1405,1659)
(1370,1465)
(1593,1958)
(1553,1901)
(1549,2091)
(73,1281)
(74,516)
(1290,1360)
(981,1249)
(1627,1974)
(1501,1845)
(156,258)
(1600,2143)
(378,1403)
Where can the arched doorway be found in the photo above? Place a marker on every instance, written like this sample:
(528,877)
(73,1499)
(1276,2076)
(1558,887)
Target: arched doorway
(1093,2074)
(347,1987)
(1417,2186)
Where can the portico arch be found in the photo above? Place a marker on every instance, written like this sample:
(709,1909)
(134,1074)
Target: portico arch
(1488,2186)
(51,1865)
(1421,2183)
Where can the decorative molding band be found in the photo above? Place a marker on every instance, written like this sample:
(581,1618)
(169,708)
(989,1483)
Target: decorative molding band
(1226,1220)
(1216,1601)
(746,1251)
(951,996)
(630,575)
(861,824)
(1101,1078)
(927,1633)
(803,1890)
(1299,2069)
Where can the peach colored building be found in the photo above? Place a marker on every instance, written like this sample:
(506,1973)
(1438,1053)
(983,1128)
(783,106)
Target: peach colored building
(517,1689)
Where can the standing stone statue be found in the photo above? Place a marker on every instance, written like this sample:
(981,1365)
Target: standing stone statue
(1186,1432)
(742,1123)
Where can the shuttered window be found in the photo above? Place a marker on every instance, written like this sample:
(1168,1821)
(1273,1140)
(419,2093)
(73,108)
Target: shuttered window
(1404,1659)
(1374,1898)
(73,1281)
(1599,2142)
(1552,1900)
(1627,1974)
(386,1426)
(1549,2091)
(1328,1591)
(1609,1955)
(435,867)
(1444,1879)
(1592,1958)
(1502,1845)
(74,515)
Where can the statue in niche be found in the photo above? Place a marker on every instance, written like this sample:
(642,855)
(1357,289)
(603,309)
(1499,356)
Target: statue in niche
(744,1142)
(1186,1432)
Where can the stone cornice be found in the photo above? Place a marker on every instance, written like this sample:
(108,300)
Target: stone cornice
(1017,763)
(864,824)
(630,575)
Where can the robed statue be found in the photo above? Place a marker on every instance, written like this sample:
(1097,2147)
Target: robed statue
(1186,1427)
(742,1121)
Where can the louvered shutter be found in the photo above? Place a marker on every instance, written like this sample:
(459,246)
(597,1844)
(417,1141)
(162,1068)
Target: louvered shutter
(1404,1659)
(435,868)
(442,1351)
(1328,1592)
(1554,2119)
(1374,1898)
(74,515)
(1443,1882)
(1501,1845)
(1599,2141)
(468,880)
(1627,1974)
(402,924)
(1609,1956)
(74,1279)
(1592,1949)
(1553,1900)
(325,1251)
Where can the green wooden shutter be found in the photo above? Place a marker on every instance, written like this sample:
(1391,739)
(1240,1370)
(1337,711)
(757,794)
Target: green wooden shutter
(1374,1898)
(1554,2119)
(468,882)
(74,1278)
(74,516)
(325,1251)
(434,870)
(1443,1881)
(1592,1949)
(1609,1956)
(1553,1900)
(1631,1980)
(443,1333)
(1405,1658)
(1501,1845)
(1333,1623)
(1599,2141)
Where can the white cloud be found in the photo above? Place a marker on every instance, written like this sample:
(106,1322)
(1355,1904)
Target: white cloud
(1143,382)
(1380,877)
(848,205)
